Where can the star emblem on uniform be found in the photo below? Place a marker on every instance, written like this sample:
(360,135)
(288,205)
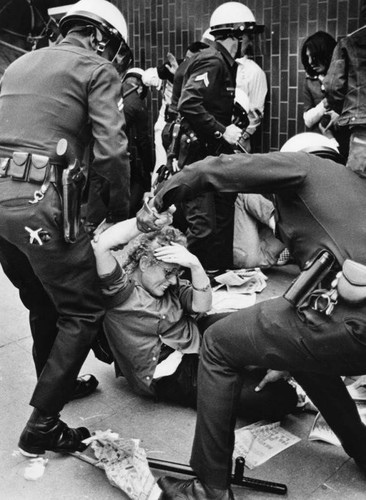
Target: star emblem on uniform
(34,235)
(203,77)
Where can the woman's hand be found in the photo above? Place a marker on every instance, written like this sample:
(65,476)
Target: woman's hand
(176,254)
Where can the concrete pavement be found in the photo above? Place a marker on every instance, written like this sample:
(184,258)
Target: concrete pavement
(311,470)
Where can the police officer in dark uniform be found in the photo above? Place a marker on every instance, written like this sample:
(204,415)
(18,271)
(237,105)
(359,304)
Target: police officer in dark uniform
(69,91)
(134,106)
(206,106)
(137,129)
(317,331)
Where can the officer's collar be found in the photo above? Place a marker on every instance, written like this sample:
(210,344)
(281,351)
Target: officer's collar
(77,41)
(218,46)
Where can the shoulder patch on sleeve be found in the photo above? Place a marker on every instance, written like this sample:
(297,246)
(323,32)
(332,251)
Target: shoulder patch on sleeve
(203,77)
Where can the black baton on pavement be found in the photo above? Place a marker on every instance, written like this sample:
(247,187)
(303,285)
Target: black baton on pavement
(237,478)
(255,484)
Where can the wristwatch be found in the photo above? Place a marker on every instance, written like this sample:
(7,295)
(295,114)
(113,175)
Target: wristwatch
(246,136)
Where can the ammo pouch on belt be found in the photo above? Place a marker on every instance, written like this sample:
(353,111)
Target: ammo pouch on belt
(26,167)
(351,284)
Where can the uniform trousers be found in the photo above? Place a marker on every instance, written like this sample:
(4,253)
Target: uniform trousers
(316,350)
(57,283)
(210,232)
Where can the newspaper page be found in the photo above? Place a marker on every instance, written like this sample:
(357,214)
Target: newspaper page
(258,443)
(320,430)
(237,289)
(243,281)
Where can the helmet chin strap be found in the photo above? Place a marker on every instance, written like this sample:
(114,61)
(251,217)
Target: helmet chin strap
(98,41)
(238,51)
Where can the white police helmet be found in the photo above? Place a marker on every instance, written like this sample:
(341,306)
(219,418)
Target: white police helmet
(310,142)
(102,15)
(207,36)
(233,19)
(137,72)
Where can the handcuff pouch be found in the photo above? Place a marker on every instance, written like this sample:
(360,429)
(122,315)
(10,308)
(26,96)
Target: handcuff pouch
(352,282)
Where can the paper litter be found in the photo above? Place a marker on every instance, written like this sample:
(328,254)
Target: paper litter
(125,464)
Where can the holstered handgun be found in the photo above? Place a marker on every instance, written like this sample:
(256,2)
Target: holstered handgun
(173,150)
(315,270)
(171,167)
(73,182)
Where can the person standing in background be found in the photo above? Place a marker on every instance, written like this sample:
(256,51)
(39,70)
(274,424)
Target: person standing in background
(345,90)
(251,79)
(206,106)
(316,54)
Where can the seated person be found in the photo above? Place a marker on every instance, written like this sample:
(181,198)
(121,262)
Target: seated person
(152,321)
(255,243)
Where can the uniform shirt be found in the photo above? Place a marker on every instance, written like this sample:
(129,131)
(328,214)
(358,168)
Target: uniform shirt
(137,326)
(207,97)
(319,203)
(251,79)
(67,91)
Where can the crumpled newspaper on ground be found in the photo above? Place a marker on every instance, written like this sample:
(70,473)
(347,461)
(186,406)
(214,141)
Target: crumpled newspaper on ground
(125,464)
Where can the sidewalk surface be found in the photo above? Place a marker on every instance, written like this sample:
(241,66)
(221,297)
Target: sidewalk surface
(311,470)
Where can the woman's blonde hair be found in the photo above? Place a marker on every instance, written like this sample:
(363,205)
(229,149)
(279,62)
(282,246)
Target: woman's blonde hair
(145,244)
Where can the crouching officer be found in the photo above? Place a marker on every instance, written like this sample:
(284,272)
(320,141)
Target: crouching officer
(68,91)
(317,331)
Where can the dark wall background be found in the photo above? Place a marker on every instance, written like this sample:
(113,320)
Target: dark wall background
(159,26)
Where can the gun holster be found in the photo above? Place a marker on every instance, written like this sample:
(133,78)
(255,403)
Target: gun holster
(73,182)
(189,148)
(315,271)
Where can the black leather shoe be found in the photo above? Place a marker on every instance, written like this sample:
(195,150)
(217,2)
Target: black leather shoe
(85,385)
(49,433)
(191,489)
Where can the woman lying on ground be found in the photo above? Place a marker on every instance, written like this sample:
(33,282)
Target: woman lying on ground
(155,319)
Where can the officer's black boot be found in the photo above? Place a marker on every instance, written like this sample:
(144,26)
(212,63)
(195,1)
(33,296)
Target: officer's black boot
(44,432)
(191,489)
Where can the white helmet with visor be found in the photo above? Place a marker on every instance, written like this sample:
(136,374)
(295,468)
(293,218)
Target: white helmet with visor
(233,19)
(106,18)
